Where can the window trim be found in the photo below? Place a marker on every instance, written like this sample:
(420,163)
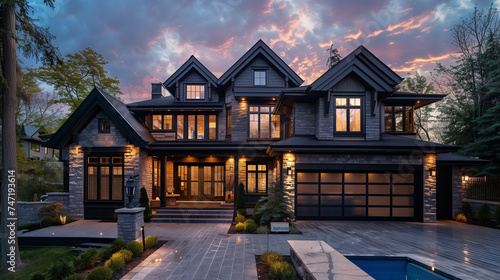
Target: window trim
(205,91)
(35,147)
(271,106)
(266,78)
(185,127)
(362,116)
(98,165)
(257,177)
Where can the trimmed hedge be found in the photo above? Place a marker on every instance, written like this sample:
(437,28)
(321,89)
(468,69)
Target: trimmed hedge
(100,273)
(151,241)
(466,210)
(483,214)
(135,247)
(116,262)
(240,227)
(86,259)
(127,254)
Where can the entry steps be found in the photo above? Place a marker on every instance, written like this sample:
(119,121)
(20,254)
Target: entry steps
(190,215)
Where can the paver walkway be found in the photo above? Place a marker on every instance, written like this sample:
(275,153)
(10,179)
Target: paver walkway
(206,251)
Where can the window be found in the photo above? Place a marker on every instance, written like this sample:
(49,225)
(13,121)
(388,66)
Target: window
(35,147)
(228,123)
(259,78)
(264,125)
(398,119)
(195,91)
(46,150)
(104,126)
(162,122)
(256,178)
(348,114)
(104,178)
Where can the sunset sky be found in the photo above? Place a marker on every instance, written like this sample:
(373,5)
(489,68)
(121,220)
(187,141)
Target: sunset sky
(146,41)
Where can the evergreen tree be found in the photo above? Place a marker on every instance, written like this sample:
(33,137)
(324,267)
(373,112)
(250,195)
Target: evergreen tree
(144,202)
(241,200)
(277,206)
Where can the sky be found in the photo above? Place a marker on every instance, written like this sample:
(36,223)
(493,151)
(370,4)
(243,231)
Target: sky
(146,41)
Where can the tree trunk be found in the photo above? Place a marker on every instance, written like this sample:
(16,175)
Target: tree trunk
(10,245)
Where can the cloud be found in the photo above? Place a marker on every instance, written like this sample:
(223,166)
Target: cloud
(412,23)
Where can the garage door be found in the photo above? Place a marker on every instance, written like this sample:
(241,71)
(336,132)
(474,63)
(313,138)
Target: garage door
(347,195)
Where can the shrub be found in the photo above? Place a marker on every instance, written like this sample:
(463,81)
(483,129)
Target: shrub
(242,212)
(461,218)
(100,273)
(466,210)
(53,209)
(117,245)
(86,259)
(47,221)
(497,215)
(29,226)
(74,276)
(144,202)
(256,209)
(483,215)
(276,206)
(282,270)
(250,227)
(151,241)
(240,227)
(115,217)
(250,221)
(60,270)
(135,247)
(127,254)
(116,262)
(60,220)
(241,199)
(270,256)
(69,219)
(38,276)
(262,230)
(294,230)
(239,218)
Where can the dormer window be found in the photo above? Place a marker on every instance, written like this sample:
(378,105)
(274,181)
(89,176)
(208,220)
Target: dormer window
(195,91)
(260,77)
(104,126)
(398,119)
(348,114)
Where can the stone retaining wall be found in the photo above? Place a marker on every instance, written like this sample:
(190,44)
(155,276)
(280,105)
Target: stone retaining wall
(27,212)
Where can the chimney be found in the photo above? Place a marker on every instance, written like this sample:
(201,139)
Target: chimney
(158,90)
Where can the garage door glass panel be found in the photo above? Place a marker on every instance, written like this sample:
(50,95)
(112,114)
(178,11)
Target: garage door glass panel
(307,189)
(355,189)
(354,200)
(355,177)
(379,178)
(331,200)
(402,201)
(307,199)
(402,212)
(402,178)
(331,211)
(403,189)
(331,177)
(379,211)
(379,200)
(307,211)
(379,189)
(331,189)
(307,177)
(355,211)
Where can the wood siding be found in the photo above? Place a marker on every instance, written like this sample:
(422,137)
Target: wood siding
(245,78)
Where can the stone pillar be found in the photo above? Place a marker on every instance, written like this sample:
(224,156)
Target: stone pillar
(429,198)
(456,190)
(76,174)
(289,179)
(130,221)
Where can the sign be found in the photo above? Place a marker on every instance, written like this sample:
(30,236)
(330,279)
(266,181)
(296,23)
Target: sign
(280,227)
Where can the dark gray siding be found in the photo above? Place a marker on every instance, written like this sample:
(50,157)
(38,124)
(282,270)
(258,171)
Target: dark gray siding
(305,116)
(245,78)
(195,78)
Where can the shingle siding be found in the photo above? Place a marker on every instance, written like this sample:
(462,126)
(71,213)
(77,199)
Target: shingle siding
(90,136)
(245,78)
(305,115)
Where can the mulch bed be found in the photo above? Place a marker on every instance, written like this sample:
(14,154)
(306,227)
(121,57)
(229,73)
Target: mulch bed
(263,271)
(128,266)
(232,230)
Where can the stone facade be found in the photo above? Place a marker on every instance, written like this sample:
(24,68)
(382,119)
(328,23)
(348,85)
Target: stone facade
(76,174)
(90,136)
(302,124)
(130,221)
(27,212)
(429,208)
(457,190)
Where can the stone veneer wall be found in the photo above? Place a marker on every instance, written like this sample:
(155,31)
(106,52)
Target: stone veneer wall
(89,137)
(76,174)
(289,160)
(457,190)
(138,162)
(305,115)
(242,171)
(27,212)
(429,214)
(229,180)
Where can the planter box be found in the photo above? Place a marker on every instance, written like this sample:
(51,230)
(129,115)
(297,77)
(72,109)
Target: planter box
(154,203)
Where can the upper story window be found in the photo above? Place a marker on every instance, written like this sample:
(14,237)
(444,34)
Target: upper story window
(195,91)
(259,77)
(348,112)
(186,127)
(398,119)
(104,126)
(263,124)
(35,147)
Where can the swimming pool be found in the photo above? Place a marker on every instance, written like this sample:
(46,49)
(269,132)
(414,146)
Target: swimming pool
(398,268)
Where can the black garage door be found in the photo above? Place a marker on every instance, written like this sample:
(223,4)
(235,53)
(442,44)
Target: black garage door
(360,195)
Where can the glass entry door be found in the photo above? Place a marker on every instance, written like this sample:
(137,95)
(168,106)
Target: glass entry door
(200,182)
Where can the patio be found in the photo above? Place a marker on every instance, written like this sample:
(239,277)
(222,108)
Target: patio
(205,251)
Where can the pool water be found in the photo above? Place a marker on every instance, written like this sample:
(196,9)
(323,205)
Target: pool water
(398,268)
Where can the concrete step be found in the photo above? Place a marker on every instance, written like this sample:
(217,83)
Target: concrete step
(193,215)
(191,212)
(190,215)
(190,220)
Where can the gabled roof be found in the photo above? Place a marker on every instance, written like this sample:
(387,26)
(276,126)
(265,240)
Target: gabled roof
(366,66)
(190,64)
(115,109)
(260,48)
(29,133)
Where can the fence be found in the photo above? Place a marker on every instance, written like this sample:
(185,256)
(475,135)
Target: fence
(482,189)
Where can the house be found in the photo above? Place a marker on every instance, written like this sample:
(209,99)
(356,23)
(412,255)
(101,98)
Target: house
(344,145)
(32,143)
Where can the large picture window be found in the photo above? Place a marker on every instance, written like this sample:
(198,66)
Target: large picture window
(104,178)
(263,124)
(186,127)
(195,91)
(256,178)
(348,114)
(398,119)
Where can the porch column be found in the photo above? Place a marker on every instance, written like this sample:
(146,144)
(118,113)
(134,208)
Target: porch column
(429,198)
(236,178)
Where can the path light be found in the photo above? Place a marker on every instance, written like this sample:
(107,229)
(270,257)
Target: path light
(143,240)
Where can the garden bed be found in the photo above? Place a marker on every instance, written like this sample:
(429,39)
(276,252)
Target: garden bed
(232,230)
(263,271)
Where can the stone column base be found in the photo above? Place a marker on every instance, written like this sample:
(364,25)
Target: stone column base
(130,221)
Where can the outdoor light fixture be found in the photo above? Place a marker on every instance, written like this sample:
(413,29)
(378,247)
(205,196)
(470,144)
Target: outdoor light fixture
(130,189)
(432,172)
(289,170)
(143,240)
(466,178)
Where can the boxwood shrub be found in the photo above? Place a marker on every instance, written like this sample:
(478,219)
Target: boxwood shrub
(135,247)
(151,241)
(100,273)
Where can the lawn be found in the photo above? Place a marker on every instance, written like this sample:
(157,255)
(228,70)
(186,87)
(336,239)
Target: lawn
(37,259)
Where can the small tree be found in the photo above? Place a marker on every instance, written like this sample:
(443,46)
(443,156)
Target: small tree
(241,200)
(277,207)
(144,202)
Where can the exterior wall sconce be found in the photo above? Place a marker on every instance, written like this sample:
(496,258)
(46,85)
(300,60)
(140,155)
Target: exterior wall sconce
(130,189)
(466,177)
(289,170)
(432,172)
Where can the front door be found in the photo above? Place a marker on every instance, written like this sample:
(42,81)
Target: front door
(200,182)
